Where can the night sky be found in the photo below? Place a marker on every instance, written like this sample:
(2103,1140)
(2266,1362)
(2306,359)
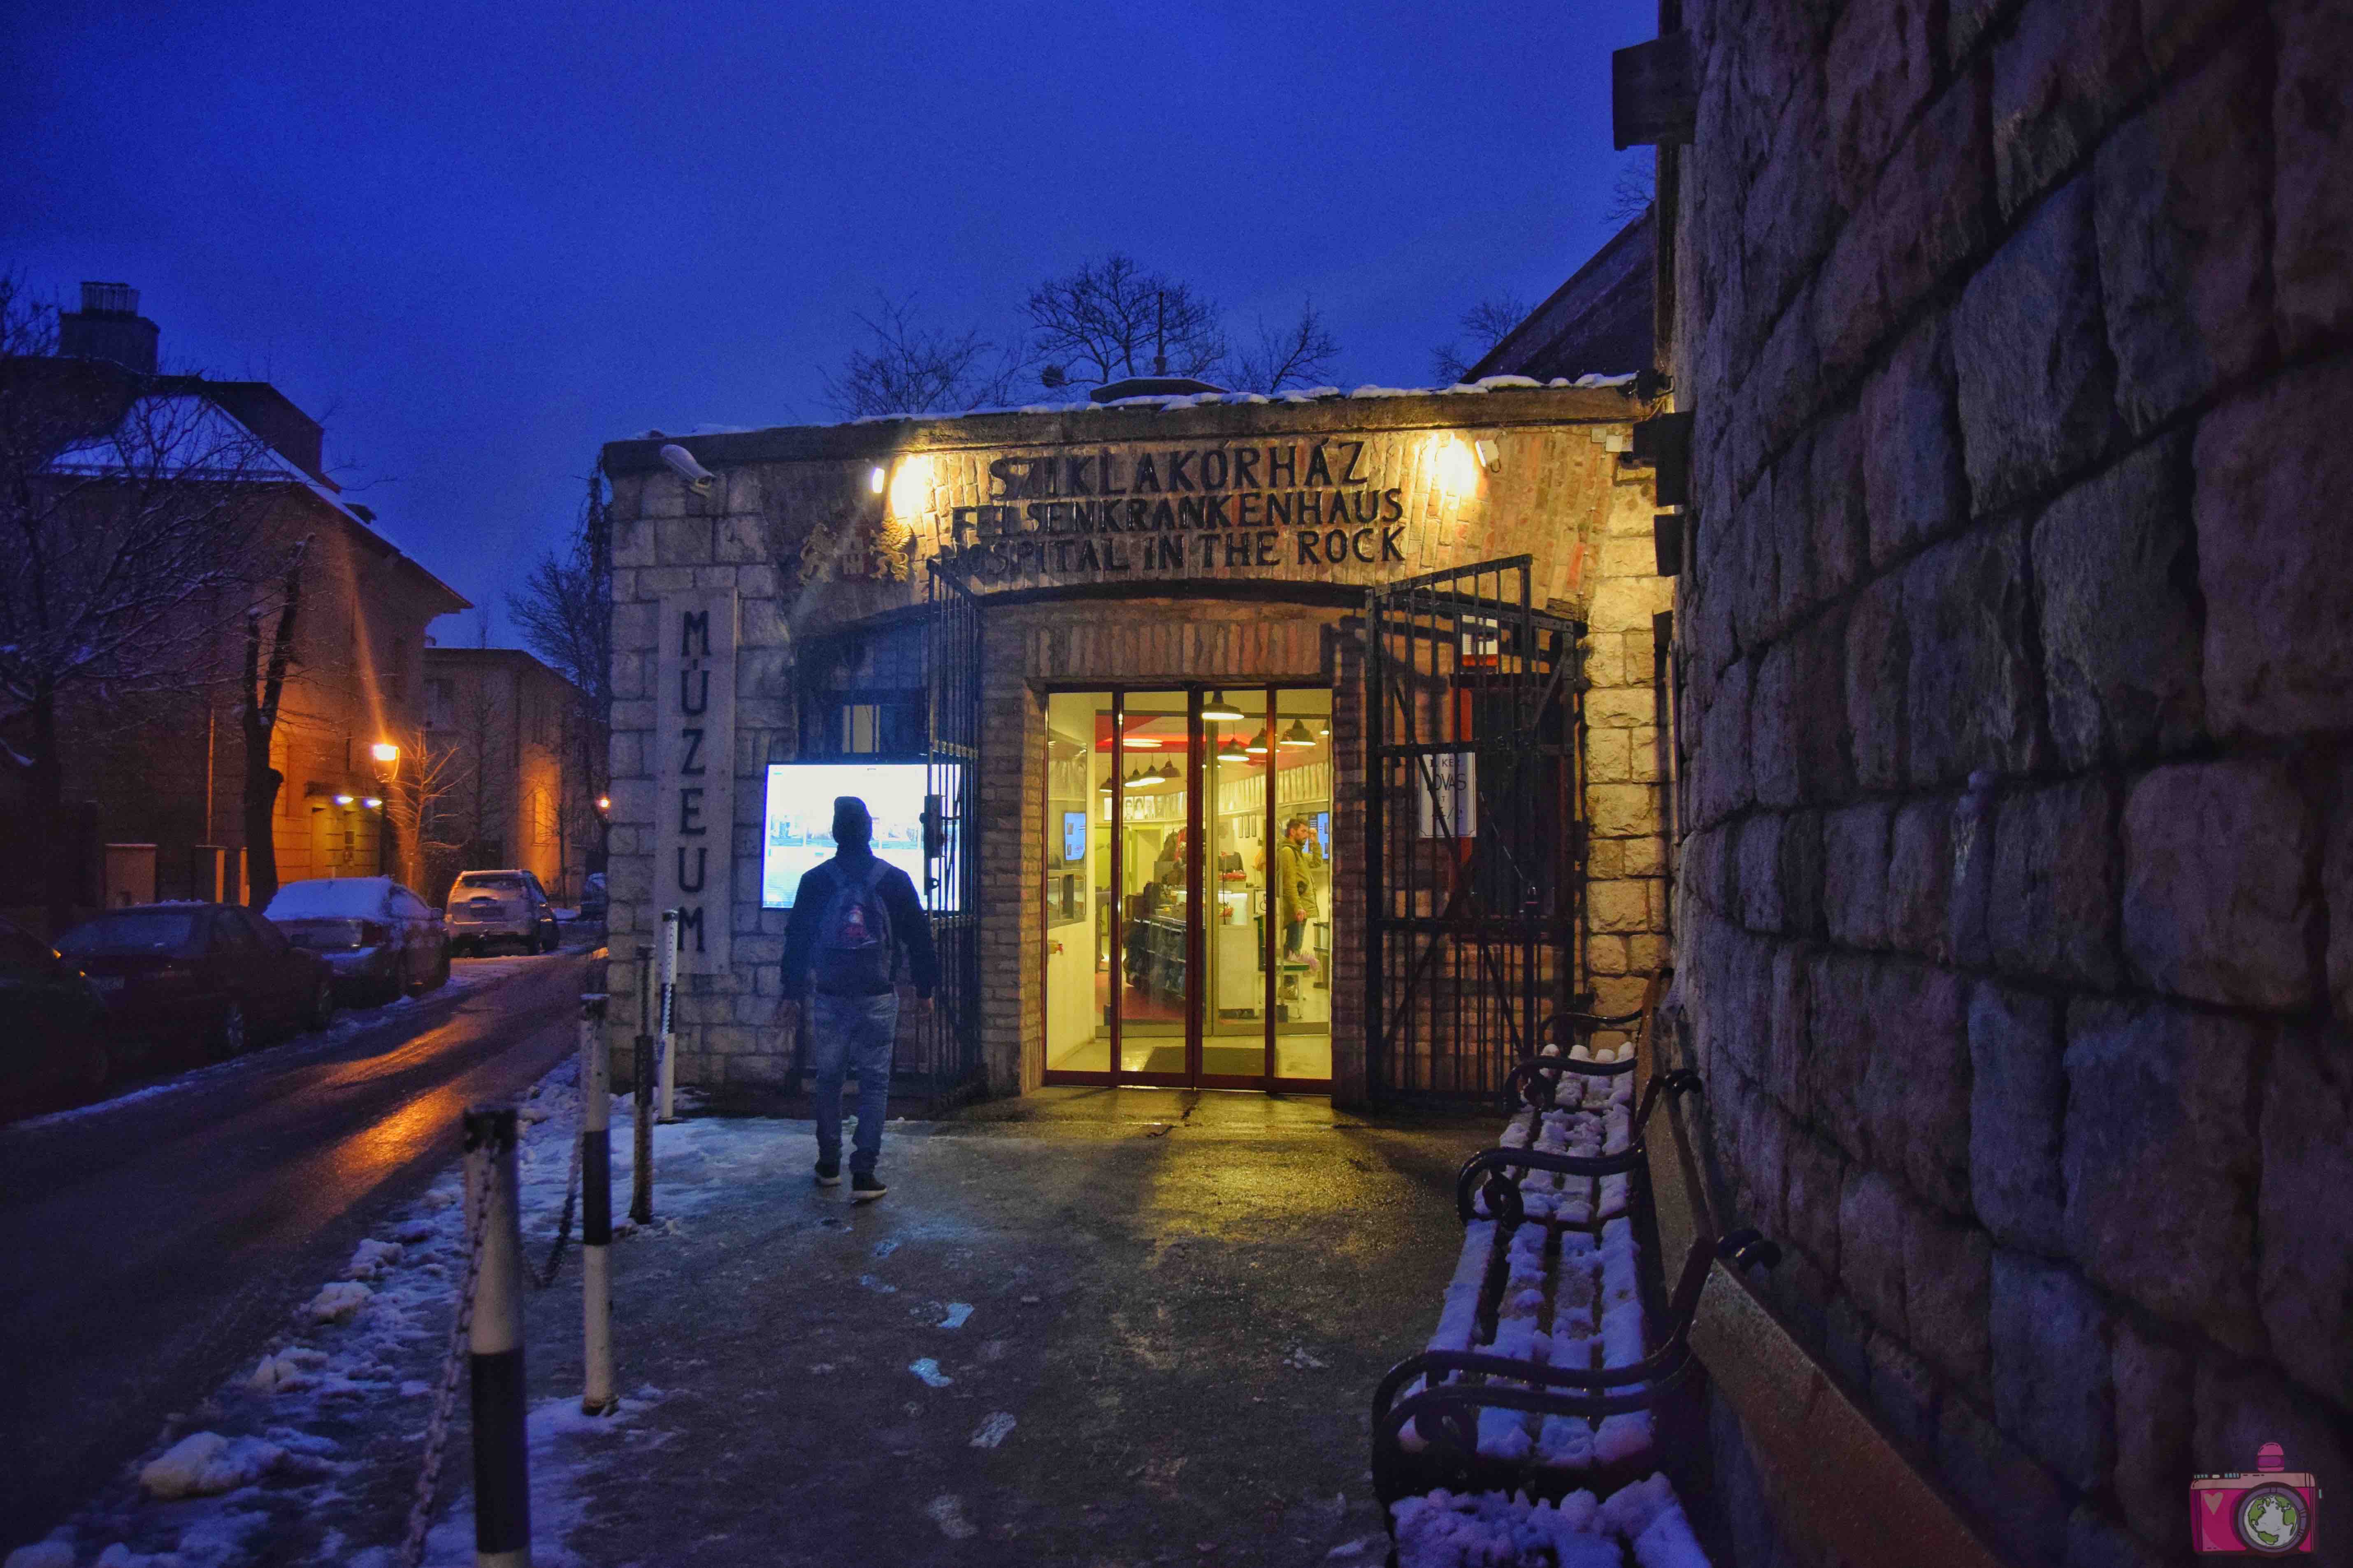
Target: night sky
(477,242)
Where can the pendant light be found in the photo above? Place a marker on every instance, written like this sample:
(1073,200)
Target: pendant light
(1167,776)
(1229,750)
(1297,735)
(1257,747)
(1218,711)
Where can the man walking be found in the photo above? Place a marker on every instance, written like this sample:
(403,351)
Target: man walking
(850,917)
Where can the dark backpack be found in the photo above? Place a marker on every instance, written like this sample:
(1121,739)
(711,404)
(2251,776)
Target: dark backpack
(854,951)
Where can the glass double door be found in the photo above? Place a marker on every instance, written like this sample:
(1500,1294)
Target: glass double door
(1188,888)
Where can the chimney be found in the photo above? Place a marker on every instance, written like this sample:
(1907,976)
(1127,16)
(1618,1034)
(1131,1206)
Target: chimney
(109,327)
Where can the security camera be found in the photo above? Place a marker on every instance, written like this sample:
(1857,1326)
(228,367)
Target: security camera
(682,461)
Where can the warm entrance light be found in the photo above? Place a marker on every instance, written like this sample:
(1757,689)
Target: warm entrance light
(343,800)
(384,752)
(1218,710)
(372,804)
(603,803)
(909,486)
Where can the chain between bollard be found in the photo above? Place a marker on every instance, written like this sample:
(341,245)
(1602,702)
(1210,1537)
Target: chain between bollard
(445,1397)
(541,1279)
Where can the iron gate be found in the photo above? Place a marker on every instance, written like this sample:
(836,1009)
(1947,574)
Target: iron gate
(950,1038)
(1473,833)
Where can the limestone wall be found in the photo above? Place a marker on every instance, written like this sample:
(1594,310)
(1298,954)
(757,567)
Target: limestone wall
(2017,920)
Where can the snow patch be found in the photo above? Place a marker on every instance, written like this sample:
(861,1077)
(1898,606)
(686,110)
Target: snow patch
(339,1303)
(995,1430)
(206,1464)
(946,1511)
(928,1369)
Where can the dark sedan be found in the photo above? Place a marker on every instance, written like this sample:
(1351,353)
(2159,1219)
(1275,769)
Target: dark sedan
(53,1044)
(212,973)
(382,940)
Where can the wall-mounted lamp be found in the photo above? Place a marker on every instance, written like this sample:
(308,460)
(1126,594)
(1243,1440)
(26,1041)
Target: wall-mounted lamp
(384,752)
(372,804)
(1491,457)
(603,803)
(910,485)
(1453,465)
(343,800)
(875,478)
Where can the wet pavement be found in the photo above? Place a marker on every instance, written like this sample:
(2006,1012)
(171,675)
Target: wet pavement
(1181,1301)
(152,1243)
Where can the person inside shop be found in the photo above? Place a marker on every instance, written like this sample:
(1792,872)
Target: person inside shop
(852,917)
(1297,861)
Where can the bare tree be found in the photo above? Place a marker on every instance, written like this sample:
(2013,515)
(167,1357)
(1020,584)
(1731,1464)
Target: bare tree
(415,805)
(128,506)
(1635,189)
(1484,325)
(564,613)
(1298,355)
(907,367)
(1112,319)
(259,691)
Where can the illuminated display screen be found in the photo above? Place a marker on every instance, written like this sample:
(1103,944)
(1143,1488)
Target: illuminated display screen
(797,827)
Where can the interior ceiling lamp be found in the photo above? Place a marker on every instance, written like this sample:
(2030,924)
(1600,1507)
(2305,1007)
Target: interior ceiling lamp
(1257,747)
(1141,743)
(1163,776)
(1229,750)
(1218,710)
(1297,734)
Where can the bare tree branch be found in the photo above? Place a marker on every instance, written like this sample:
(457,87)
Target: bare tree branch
(1635,189)
(1298,355)
(1484,325)
(907,367)
(1110,318)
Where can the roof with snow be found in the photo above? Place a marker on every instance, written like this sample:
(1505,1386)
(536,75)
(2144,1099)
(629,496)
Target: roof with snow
(1085,419)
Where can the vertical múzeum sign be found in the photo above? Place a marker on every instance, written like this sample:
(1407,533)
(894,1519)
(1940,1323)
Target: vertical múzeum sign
(694,774)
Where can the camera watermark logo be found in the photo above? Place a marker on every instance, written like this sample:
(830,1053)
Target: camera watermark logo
(2271,1512)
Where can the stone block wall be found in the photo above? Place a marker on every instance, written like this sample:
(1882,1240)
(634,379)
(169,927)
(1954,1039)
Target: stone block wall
(2016,916)
(1626,924)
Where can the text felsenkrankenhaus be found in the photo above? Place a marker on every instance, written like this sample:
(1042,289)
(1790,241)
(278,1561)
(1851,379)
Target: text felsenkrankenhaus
(1244,508)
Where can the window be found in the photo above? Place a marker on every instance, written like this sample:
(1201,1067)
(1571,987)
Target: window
(440,704)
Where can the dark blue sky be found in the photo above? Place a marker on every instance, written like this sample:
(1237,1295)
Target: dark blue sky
(476,242)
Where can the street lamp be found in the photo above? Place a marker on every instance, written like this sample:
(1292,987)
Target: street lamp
(388,762)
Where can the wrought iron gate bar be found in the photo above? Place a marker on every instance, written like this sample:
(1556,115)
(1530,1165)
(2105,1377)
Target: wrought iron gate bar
(1471,895)
(947,1054)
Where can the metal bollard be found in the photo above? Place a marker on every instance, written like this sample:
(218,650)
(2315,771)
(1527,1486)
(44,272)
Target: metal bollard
(501,1455)
(668,1011)
(641,1170)
(596,1396)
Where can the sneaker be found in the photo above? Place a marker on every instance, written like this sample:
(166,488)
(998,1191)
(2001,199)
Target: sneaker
(828,1172)
(865,1186)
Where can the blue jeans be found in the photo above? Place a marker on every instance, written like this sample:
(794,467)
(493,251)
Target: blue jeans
(847,1033)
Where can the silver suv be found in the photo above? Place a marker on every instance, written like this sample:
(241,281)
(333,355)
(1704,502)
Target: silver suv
(501,906)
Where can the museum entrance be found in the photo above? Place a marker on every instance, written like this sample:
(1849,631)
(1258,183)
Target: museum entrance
(1188,853)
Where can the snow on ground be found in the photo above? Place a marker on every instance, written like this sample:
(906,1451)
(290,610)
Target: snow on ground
(465,975)
(325,1428)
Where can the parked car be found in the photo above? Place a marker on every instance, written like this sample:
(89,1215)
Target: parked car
(53,1044)
(501,906)
(381,939)
(593,902)
(214,974)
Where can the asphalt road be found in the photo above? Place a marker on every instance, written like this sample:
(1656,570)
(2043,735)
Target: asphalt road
(153,1245)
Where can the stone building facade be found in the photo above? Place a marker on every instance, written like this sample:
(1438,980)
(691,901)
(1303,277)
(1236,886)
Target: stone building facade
(810,554)
(2017,911)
